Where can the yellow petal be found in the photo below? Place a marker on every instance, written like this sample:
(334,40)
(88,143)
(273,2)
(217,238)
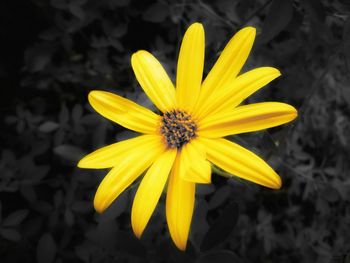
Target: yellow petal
(194,166)
(150,190)
(154,80)
(190,67)
(234,92)
(179,206)
(240,162)
(124,112)
(112,155)
(121,176)
(229,63)
(247,118)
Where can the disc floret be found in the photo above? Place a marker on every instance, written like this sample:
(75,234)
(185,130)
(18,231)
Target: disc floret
(177,128)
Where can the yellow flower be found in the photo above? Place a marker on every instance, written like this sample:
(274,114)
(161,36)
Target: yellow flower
(178,146)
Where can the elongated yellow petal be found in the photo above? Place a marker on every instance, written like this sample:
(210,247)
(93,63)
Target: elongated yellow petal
(229,63)
(121,176)
(247,118)
(234,92)
(239,161)
(150,190)
(154,80)
(112,155)
(190,67)
(179,206)
(124,112)
(194,166)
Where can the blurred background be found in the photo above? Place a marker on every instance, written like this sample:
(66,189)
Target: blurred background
(54,52)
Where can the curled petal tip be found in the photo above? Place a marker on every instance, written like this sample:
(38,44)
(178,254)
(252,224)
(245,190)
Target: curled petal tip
(274,180)
(197,24)
(99,210)
(278,183)
(93,93)
(137,53)
(250,30)
(181,247)
(99,207)
(85,162)
(137,233)
(293,112)
(198,27)
(80,164)
(136,228)
(278,72)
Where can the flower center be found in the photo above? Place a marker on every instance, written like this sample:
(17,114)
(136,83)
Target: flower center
(178,128)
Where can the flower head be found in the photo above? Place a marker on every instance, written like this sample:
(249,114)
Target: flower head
(179,145)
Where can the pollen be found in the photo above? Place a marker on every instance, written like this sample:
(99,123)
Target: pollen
(178,128)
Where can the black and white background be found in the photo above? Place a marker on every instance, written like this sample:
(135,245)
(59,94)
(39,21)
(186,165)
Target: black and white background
(53,52)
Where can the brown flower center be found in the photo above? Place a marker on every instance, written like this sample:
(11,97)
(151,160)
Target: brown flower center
(178,128)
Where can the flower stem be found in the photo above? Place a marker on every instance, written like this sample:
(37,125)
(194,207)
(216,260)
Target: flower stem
(220,172)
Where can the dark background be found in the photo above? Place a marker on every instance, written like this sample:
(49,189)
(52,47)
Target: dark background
(52,53)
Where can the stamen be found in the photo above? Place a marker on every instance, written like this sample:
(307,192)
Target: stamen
(178,128)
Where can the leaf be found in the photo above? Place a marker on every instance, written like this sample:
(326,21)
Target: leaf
(277,18)
(221,228)
(90,119)
(59,4)
(316,10)
(42,207)
(128,243)
(15,218)
(104,235)
(40,147)
(100,42)
(39,56)
(330,194)
(50,34)
(347,258)
(112,240)
(46,249)
(27,191)
(69,152)
(69,217)
(176,12)
(115,209)
(64,115)
(156,13)
(41,172)
(82,207)
(204,189)
(118,3)
(77,112)
(346,42)
(219,197)
(201,227)
(222,256)
(10,234)
(48,126)
(76,10)
(116,44)
(119,30)
(85,251)
(345,4)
